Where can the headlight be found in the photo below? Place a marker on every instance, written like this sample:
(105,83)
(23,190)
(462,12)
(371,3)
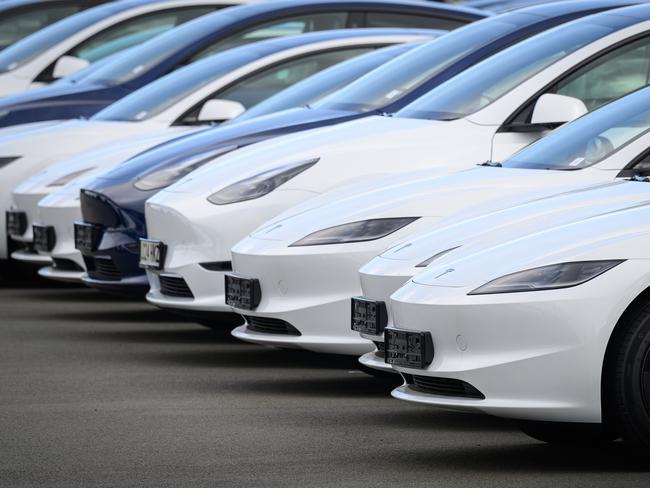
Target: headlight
(5,160)
(163,177)
(426,263)
(64,180)
(563,275)
(364,230)
(259,185)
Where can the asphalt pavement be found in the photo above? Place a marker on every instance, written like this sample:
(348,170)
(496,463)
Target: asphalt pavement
(99,391)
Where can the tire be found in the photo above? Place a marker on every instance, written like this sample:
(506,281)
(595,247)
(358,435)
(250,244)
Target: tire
(626,391)
(566,433)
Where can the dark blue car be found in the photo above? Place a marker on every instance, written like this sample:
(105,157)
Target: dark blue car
(99,86)
(20,18)
(115,200)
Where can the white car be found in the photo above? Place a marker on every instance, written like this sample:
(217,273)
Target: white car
(201,217)
(551,329)
(212,90)
(303,264)
(72,44)
(61,207)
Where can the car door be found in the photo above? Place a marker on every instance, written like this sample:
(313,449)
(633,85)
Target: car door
(619,71)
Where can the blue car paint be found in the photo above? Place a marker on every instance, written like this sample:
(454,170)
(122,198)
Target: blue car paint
(116,188)
(89,94)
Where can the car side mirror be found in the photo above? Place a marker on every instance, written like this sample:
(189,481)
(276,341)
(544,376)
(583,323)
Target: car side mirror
(218,110)
(67,65)
(557,109)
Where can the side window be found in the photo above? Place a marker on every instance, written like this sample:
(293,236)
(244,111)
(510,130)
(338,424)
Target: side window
(287,26)
(271,80)
(615,74)
(135,31)
(26,22)
(640,167)
(606,78)
(394,19)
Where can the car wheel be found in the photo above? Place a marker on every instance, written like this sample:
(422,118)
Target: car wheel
(627,391)
(567,433)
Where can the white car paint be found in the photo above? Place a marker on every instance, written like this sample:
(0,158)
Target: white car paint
(33,197)
(22,78)
(197,231)
(387,272)
(317,302)
(56,144)
(533,355)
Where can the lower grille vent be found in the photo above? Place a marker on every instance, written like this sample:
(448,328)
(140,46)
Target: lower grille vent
(103,269)
(174,286)
(444,387)
(267,325)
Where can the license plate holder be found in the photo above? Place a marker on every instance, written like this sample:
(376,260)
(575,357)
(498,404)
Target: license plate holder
(87,237)
(408,348)
(368,316)
(44,237)
(16,223)
(242,292)
(152,254)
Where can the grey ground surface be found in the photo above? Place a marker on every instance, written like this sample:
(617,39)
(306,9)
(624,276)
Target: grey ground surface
(98,391)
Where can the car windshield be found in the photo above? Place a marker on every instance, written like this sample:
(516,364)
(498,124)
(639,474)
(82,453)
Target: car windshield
(322,84)
(489,80)
(23,22)
(590,139)
(156,97)
(399,77)
(136,62)
(33,46)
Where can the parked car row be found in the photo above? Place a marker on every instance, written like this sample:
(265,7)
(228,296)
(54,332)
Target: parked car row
(456,193)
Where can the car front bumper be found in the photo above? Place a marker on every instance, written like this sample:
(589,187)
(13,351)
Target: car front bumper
(198,236)
(68,263)
(533,356)
(309,289)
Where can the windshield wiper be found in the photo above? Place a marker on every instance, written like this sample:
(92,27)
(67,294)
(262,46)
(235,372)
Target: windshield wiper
(491,164)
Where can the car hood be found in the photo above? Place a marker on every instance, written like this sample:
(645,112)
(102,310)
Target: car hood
(58,141)
(619,234)
(418,194)
(456,236)
(233,134)
(357,140)
(95,161)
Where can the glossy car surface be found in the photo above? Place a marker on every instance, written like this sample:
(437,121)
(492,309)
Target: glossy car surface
(90,37)
(200,218)
(89,164)
(99,86)
(317,238)
(20,18)
(385,90)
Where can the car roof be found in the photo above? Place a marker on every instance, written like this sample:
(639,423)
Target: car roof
(11,4)
(452,11)
(243,55)
(270,46)
(558,8)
